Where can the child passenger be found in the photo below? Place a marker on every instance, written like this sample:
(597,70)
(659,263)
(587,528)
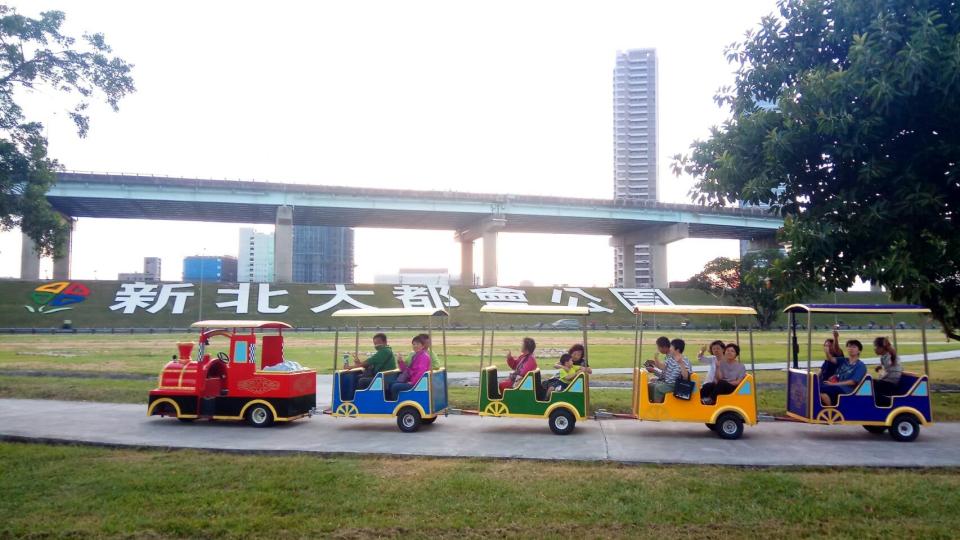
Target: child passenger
(565,375)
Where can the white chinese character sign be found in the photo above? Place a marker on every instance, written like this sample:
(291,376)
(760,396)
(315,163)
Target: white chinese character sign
(631,298)
(294,304)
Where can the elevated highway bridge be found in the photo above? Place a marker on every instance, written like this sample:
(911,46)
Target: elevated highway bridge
(470,216)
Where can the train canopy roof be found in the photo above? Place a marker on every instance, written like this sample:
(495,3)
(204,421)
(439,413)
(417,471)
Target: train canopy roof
(856,308)
(239,324)
(526,309)
(693,310)
(390,312)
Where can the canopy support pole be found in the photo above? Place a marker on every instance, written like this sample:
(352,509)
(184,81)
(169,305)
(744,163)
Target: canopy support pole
(923,338)
(809,340)
(483,339)
(356,340)
(443,331)
(753,369)
(336,346)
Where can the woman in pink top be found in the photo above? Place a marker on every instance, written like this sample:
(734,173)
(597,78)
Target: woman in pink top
(410,374)
(521,365)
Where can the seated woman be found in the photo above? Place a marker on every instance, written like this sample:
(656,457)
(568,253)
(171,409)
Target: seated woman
(410,374)
(521,365)
(849,374)
(831,356)
(730,372)
(715,356)
(890,370)
(576,353)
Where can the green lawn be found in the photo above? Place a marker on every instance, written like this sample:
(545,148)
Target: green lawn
(64,491)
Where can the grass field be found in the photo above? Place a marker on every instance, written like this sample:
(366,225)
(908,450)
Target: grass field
(63,491)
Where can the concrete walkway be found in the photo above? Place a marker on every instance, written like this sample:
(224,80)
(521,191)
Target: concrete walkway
(628,441)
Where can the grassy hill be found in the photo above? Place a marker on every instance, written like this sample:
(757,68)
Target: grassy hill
(22,306)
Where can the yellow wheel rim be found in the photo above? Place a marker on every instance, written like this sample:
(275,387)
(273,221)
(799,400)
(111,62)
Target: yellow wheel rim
(347,409)
(497,408)
(830,416)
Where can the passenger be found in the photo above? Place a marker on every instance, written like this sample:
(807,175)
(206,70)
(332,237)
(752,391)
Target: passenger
(410,374)
(831,355)
(890,369)
(428,343)
(715,356)
(730,372)
(576,352)
(654,365)
(567,372)
(521,365)
(675,366)
(849,374)
(382,360)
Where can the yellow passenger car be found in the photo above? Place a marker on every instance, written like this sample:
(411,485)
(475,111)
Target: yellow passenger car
(728,414)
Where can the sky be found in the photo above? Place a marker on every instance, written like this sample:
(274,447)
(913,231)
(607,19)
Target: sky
(492,97)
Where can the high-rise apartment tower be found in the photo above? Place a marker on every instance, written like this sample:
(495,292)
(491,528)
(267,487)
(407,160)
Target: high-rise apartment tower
(635,153)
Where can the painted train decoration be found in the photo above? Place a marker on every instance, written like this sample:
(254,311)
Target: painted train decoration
(237,370)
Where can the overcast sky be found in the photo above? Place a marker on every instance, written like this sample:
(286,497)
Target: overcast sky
(505,97)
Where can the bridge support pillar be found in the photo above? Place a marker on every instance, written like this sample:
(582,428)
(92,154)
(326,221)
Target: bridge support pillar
(653,239)
(490,259)
(29,259)
(758,243)
(466,263)
(283,246)
(487,230)
(61,265)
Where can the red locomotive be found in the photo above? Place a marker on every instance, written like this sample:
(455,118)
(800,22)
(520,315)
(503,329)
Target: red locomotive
(230,385)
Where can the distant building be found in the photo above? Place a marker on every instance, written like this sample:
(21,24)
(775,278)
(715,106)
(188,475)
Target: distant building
(150,274)
(210,268)
(635,149)
(416,276)
(255,256)
(322,254)
(151,268)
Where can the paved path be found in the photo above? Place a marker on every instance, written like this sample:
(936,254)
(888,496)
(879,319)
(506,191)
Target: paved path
(630,441)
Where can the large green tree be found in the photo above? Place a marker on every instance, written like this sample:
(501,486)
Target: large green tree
(35,54)
(844,119)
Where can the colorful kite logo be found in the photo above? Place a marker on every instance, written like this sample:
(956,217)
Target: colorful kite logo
(57,296)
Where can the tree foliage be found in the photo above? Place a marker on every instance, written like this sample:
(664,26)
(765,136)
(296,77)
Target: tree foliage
(34,53)
(748,282)
(844,120)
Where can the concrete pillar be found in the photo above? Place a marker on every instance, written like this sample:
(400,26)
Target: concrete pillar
(283,246)
(61,265)
(658,266)
(629,266)
(29,259)
(490,259)
(875,287)
(466,262)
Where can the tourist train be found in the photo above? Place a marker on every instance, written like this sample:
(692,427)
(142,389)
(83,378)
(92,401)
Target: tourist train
(261,386)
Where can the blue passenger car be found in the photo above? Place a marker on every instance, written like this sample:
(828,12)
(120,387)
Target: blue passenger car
(422,404)
(902,413)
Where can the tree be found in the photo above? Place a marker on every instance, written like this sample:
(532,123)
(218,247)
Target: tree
(34,53)
(844,120)
(748,282)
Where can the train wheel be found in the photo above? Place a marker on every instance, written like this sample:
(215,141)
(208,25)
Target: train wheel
(904,428)
(562,421)
(496,408)
(347,409)
(729,426)
(876,430)
(830,416)
(259,416)
(408,420)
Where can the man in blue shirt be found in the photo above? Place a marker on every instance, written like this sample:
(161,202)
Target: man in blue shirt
(850,372)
